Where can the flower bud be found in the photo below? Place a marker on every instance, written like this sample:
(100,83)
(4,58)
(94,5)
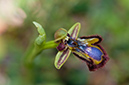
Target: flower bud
(42,35)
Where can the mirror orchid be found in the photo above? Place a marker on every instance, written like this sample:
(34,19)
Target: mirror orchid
(86,48)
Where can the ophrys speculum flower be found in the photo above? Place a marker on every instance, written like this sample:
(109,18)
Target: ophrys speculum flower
(85,48)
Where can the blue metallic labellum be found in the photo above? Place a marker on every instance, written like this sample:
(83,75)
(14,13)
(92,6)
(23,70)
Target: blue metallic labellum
(94,60)
(86,48)
(93,52)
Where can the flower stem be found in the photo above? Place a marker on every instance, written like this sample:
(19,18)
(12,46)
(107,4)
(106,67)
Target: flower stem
(50,44)
(38,49)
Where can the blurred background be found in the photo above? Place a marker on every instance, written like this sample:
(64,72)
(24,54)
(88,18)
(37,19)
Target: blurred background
(108,18)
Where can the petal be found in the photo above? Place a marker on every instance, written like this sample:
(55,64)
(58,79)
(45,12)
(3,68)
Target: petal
(74,30)
(95,39)
(61,47)
(60,34)
(61,58)
(93,57)
(94,67)
(94,53)
(80,54)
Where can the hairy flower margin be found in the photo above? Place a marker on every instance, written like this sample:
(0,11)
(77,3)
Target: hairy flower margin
(86,48)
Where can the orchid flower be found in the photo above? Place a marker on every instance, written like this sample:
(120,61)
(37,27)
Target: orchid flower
(86,48)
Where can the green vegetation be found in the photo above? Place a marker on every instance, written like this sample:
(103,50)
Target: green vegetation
(108,18)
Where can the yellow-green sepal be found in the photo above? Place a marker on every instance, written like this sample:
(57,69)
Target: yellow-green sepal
(74,30)
(61,58)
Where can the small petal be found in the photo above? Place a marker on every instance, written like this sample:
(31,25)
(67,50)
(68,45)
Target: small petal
(74,30)
(60,47)
(61,58)
(60,34)
(95,39)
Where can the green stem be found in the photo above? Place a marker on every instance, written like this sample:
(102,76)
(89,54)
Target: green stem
(50,44)
(37,49)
